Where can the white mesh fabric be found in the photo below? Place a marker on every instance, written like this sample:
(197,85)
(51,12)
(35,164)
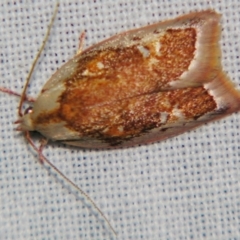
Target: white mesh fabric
(183,188)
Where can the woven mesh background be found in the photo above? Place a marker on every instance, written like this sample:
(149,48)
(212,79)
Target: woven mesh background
(184,188)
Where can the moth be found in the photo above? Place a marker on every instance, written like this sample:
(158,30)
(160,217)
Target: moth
(137,87)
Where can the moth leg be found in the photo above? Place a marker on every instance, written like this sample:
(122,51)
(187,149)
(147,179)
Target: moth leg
(81,43)
(39,150)
(9,91)
(43,143)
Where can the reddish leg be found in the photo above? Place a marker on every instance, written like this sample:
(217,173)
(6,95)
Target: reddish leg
(81,42)
(9,91)
(39,150)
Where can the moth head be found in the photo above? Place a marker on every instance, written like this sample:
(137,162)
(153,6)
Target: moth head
(25,122)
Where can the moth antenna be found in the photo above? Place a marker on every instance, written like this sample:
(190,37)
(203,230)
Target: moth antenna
(43,159)
(23,96)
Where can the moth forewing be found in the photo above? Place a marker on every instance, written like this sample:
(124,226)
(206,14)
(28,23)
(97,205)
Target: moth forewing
(137,87)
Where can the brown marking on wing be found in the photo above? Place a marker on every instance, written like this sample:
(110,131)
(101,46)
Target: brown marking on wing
(125,72)
(130,117)
(117,93)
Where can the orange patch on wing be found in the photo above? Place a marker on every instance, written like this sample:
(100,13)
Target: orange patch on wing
(118,92)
